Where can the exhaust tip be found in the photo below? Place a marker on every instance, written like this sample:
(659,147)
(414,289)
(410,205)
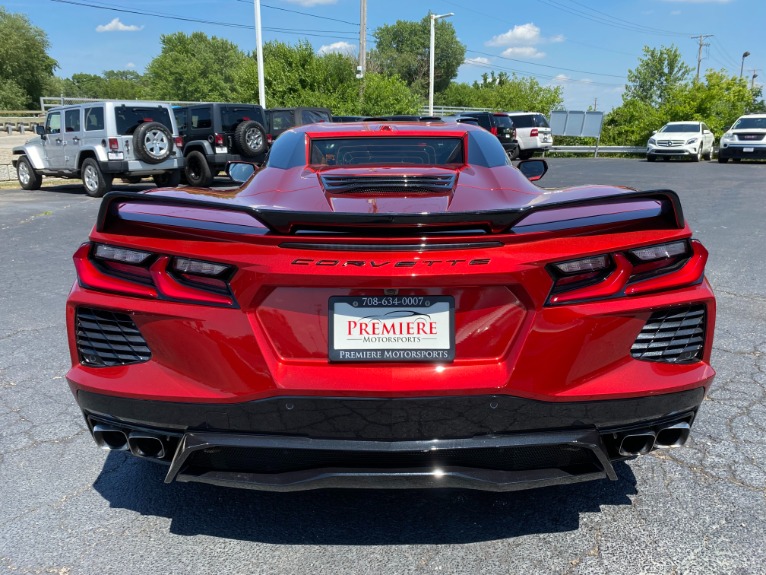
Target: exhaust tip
(143,445)
(110,438)
(637,443)
(673,436)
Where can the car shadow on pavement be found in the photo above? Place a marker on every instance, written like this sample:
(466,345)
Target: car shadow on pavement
(354,517)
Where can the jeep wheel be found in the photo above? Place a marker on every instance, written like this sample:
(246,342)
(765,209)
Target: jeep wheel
(197,170)
(28,178)
(170,179)
(152,142)
(95,182)
(250,138)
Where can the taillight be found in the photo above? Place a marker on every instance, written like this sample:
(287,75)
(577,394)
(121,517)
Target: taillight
(633,272)
(493,130)
(114,144)
(138,273)
(179,142)
(534,133)
(219,140)
(269,139)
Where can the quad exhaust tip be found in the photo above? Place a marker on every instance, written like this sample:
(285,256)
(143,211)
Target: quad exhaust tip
(673,436)
(637,443)
(144,445)
(110,438)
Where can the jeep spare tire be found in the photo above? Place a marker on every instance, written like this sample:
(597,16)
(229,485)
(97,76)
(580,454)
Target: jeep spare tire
(250,138)
(152,142)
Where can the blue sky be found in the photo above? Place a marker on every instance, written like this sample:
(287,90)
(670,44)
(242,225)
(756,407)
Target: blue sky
(586,46)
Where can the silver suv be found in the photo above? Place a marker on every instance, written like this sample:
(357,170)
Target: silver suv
(99,141)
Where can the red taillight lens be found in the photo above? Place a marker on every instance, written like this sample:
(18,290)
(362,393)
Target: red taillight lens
(534,133)
(634,272)
(269,139)
(144,274)
(493,129)
(219,139)
(179,142)
(114,144)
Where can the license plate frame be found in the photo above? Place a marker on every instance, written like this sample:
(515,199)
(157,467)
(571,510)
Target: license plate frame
(420,329)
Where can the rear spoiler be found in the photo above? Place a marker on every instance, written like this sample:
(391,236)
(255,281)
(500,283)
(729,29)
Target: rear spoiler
(667,207)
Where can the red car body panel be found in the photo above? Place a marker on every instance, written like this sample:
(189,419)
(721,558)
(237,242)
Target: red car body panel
(511,336)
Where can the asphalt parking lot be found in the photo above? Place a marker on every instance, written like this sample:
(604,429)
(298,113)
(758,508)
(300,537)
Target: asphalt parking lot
(69,508)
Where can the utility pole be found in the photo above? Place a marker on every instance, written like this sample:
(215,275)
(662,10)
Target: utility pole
(362,37)
(701,39)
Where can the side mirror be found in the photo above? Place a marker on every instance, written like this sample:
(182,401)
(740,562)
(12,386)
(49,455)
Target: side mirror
(240,172)
(40,130)
(533,169)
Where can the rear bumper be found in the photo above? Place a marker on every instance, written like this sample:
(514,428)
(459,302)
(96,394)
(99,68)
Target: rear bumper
(758,152)
(136,168)
(488,442)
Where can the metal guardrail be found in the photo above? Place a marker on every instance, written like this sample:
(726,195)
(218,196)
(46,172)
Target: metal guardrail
(596,150)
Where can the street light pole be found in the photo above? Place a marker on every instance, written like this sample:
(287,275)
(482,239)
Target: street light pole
(434,18)
(742,67)
(259,54)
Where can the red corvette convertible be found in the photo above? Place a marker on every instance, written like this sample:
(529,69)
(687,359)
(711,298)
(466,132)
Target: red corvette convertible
(390,305)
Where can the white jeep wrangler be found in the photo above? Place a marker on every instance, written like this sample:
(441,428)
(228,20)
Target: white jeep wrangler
(99,141)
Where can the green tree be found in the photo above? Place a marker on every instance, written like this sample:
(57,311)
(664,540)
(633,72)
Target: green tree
(503,92)
(659,72)
(194,67)
(402,49)
(296,76)
(25,65)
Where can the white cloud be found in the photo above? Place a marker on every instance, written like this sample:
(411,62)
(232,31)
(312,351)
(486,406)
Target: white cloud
(479,61)
(337,48)
(310,3)
(522,52)
(556,39)
(561,79)
(117,26)
(130,65)
(523,34)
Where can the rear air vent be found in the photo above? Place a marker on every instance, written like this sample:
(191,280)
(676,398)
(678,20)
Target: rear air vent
(674,335)
(106,338)
(375,184)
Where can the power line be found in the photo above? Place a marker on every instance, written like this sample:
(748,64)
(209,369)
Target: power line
(346,35)
(301,13)
(547,65)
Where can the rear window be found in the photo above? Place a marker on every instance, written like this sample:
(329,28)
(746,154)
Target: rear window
(282,120)
(530,121)
(387,151)
(129,118)
(232,117)
(314,116)
(503,122)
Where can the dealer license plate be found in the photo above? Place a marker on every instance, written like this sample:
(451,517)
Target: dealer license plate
(747,149)
(392,328)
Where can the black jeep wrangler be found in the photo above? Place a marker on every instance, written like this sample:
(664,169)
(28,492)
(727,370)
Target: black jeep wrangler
(216,133)
(282,119)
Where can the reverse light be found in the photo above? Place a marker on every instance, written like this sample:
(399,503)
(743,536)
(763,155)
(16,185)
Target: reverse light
(123,255)
(585,265)
(661,251)
(187,266)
